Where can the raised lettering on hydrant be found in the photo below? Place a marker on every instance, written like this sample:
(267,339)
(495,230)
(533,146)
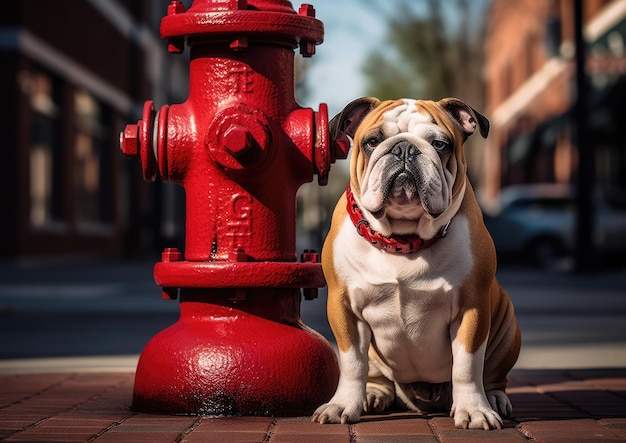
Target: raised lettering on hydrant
(241,146)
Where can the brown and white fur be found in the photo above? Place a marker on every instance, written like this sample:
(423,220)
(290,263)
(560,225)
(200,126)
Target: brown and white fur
(429,330)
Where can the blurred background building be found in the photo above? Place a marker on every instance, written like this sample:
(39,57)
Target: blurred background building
(531,93)
(557,120)
(73,74)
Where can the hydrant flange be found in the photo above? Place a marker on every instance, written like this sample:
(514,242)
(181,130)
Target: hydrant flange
(219,21)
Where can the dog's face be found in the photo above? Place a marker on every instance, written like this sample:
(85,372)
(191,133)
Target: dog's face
(407,154)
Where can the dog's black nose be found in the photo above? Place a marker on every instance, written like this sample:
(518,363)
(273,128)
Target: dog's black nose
(405,150)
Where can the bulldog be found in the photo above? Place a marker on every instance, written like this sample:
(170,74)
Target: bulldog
(420,321)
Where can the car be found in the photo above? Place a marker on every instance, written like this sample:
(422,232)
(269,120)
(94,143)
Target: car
(536,224)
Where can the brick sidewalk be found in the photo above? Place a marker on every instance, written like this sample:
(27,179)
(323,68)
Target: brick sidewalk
(549,406)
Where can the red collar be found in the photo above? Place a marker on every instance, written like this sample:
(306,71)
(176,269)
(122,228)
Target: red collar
(396,244)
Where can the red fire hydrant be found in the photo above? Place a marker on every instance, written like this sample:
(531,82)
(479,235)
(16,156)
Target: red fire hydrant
(241,146)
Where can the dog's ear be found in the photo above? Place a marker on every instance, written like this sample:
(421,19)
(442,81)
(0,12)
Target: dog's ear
(466,116)
(349,119)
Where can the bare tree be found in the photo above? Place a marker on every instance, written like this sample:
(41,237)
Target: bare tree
(430,54)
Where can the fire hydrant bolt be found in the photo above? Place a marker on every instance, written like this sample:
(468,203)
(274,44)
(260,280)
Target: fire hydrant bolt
(306,10)
(307,47)
(237,140)
(129,140)
(171,255)
(310,256)
(175,7)
(238,5)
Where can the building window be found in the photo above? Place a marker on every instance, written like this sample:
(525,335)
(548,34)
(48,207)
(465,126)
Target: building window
(92,171)
(46,149)
(554,31)
(529,55)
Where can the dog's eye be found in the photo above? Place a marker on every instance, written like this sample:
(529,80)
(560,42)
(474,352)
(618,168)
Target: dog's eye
(439,145)
(372,142)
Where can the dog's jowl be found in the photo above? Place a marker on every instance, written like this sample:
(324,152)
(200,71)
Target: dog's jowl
(420,321)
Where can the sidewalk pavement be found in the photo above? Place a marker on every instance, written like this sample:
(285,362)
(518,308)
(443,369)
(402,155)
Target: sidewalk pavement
(569,384)
(548,405)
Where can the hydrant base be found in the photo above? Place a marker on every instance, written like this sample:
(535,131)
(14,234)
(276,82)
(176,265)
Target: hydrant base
(221,361)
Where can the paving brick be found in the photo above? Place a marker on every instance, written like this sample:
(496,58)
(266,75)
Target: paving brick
(377,438)
(445,430)
(540,376)
(230,429)
(548,406)
(302,430)
(617,425)
(130,437)
(394,428)
(77,422)
(531,406)
(595,403)
(234,436)
(568,430)
(47,437)
(6,432)
(18,387)
(241,424)
(609,383)
(309,438)
(393,424)
(58,430)
(570,385)
(14,425)
(149,422)
(306,426)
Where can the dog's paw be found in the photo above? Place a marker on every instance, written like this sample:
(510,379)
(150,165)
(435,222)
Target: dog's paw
(500,402)
(378,400)
(474,412)
(338,412)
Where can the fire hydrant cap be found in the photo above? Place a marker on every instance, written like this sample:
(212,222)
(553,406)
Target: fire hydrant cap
(259,17)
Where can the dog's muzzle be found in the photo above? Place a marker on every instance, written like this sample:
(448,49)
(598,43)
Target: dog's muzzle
(400,176)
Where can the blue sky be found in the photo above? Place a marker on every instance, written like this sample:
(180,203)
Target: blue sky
(351,29)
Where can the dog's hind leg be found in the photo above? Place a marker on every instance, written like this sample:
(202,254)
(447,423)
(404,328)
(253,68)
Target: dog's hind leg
(380,392)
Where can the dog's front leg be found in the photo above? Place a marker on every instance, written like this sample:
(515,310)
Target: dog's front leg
(470,407)
(349,400)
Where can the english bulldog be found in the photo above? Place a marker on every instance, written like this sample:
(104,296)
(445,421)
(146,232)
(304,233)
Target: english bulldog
(420,321)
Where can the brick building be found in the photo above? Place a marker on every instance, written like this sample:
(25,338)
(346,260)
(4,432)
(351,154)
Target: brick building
(73,74)
(530,84)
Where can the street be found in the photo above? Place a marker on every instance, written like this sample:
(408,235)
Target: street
(86,308)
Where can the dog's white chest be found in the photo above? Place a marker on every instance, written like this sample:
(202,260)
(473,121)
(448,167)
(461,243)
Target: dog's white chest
(408,301)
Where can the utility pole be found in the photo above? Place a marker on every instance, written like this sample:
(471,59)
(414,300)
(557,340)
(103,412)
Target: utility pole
(584,253)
